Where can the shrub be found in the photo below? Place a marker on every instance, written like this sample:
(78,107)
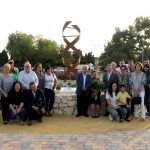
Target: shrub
(59,86)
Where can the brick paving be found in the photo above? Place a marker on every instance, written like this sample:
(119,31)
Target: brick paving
(118,140)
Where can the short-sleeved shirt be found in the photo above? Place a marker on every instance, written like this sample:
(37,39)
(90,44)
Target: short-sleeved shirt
(121,97)
(111,98)
(50,80)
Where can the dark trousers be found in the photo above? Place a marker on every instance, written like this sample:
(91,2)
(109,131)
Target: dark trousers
(82,103)
(5,108)
(120,112)
(50,98)
(34,114)
(128,110)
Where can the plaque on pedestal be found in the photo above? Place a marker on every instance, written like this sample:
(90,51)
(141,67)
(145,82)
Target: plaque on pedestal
(67,90)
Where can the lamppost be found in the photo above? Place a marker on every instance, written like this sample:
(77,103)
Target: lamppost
(97,56)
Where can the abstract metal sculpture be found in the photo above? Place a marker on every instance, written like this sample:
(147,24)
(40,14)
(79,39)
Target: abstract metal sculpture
(71,64)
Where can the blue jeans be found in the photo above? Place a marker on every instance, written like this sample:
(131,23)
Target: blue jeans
(21,114)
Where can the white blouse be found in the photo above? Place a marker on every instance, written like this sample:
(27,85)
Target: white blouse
(49,80)
(112,99)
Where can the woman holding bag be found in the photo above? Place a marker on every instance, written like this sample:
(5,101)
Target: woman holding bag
(137,82)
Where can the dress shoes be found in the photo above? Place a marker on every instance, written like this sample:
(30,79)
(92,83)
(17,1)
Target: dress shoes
(78,115)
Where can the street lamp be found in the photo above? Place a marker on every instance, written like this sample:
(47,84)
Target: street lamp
(97,56)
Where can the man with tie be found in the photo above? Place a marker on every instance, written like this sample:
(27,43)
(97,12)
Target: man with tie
(35,103)
(83,83)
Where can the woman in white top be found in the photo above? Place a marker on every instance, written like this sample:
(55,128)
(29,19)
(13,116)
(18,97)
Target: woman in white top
(50,85)
(115,111)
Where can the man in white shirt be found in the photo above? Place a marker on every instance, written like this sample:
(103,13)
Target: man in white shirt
(27,76)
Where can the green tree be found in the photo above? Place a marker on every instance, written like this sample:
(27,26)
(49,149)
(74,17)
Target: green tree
(3,57)
(87,58)
(133,42)
(22,46)
(48,52)
(142,30)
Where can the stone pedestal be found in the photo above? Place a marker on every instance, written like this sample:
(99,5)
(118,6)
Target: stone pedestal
(65,104)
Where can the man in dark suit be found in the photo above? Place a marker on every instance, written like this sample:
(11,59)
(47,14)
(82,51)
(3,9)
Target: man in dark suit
(35,103)
(110,77)
(83,83)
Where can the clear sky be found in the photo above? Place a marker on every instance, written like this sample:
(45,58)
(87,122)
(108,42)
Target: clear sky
(97,19)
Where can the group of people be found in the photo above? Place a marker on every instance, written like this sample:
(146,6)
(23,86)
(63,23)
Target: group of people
(30,94)
(127,89)
(26,94)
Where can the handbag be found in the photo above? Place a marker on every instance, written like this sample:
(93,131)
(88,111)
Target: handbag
(136,100)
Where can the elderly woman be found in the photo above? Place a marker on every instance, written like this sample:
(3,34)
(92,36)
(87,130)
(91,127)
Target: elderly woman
(6,83)
(115,111)
(16,102)
(137,82)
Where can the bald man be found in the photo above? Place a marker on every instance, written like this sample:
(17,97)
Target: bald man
(83,82)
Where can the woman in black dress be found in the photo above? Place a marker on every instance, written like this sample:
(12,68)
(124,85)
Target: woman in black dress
(95,95)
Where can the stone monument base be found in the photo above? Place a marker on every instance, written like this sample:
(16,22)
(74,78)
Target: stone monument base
(65,104)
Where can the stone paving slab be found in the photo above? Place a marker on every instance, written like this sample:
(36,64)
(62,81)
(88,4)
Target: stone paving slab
(118,140)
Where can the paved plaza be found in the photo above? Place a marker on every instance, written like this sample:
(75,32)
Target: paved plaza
(117,140)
